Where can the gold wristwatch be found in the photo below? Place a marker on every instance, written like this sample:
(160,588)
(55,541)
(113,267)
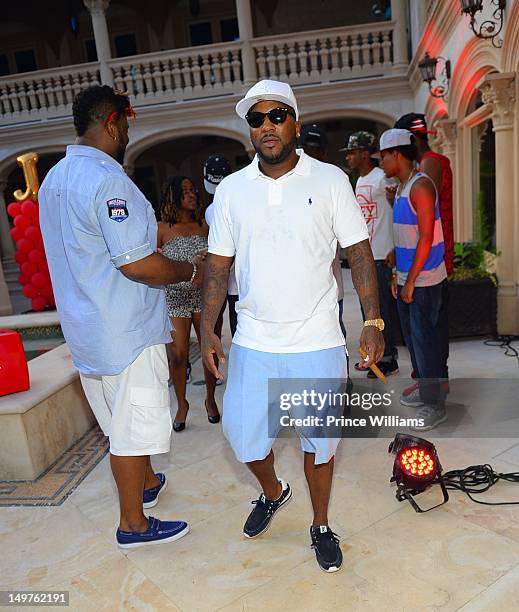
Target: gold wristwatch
(378,323)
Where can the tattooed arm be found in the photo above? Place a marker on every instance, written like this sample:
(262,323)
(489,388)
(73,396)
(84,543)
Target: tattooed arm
(364,277)
(214,291)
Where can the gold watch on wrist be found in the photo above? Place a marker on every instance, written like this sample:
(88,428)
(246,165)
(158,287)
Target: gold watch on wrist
(378,323)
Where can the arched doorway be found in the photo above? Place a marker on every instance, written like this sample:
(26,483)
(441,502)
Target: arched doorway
(185,156)
(12,180)
(338,132)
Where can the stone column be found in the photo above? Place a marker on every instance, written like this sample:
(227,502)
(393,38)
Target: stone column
(6,252)
(447,133)
(399,16)
(244,14)
(499,92)
(97,10)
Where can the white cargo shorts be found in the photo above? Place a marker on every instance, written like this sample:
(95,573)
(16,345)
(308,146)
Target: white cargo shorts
(133,407)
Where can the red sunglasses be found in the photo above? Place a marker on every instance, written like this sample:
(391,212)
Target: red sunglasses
(127,112)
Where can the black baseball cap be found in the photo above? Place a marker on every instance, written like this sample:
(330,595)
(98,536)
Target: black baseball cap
(216,168)
(415,123)
(313,136)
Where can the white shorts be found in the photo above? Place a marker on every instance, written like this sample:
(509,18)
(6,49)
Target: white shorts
(133,407)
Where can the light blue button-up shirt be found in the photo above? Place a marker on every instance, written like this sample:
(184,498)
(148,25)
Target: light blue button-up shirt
(94,220)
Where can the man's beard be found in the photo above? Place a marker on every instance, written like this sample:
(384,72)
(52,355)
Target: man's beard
(273,159)
(120,154)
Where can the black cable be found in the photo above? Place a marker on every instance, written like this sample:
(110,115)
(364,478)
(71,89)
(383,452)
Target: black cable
(505,342)
(477,479)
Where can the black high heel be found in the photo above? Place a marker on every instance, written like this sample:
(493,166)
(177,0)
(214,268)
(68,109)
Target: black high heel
(180,425)
(212,419)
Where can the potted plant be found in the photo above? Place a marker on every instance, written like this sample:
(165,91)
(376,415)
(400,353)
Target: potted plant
(472,292)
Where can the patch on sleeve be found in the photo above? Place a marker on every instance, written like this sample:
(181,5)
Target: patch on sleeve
(117,209)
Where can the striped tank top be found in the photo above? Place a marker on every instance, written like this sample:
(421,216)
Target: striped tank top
(406,234)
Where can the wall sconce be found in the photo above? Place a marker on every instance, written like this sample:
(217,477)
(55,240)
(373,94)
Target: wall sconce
(490,28)
(436,69)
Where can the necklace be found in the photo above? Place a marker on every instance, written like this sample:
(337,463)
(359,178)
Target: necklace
(402,186)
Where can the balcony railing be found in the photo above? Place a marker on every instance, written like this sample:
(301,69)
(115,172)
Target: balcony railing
(45,93)
(317,56)
(324,55)
(204,71)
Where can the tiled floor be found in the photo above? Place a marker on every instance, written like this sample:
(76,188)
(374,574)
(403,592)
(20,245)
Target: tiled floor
(463,556)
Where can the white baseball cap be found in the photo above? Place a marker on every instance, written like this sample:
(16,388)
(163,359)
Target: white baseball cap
(267,90)
(392,138)
(395,138)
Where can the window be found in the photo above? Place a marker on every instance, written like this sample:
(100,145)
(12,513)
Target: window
(229,29)
(125,44)
(201,33)
(475,102)
(25,61)
(4,65)
(91,51)
(485,184)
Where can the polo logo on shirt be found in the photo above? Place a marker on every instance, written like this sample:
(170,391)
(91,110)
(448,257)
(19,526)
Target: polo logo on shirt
(117,209)
(310,202)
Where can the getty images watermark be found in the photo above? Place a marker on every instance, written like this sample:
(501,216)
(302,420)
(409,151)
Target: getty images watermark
(362,408)
(327,409)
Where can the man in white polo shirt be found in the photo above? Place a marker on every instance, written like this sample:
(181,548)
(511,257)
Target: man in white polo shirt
(280,218)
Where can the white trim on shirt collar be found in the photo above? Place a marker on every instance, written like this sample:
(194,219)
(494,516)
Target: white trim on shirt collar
(302,167)
(86,151)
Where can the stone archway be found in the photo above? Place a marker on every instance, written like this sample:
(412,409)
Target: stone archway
(339,126)
(184,155)
(11,178)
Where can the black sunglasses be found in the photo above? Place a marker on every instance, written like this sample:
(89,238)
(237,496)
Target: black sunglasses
(277,116)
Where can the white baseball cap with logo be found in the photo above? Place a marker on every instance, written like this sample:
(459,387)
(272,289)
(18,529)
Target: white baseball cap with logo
(264,91)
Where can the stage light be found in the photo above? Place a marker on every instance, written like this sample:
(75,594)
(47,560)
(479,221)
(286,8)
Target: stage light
(415,469)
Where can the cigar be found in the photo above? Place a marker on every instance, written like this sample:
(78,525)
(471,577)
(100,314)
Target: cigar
(373,367)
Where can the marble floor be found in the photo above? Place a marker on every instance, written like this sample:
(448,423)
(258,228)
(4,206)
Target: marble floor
(463,556)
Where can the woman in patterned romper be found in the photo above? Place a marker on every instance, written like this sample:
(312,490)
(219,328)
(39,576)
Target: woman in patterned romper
(182,234)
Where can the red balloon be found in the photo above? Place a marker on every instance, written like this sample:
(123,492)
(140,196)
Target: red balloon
(38,280)
(23,245)
(14,209)
(36,256)
(30,291)
(22,222)
(39,303)
(29,208)
(20,257)
(23,280)
(47,292)
(28,269)
(43,267)
(32,233)
(16,233)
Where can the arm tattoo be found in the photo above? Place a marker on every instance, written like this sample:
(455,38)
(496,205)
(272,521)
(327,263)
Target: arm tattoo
(214,290)
(364,277)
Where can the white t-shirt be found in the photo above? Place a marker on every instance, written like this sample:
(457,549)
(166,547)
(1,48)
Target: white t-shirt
(232,287)
(378,214)
(283,234)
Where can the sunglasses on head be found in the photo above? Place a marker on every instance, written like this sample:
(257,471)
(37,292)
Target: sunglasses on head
(127,112)
(277,116)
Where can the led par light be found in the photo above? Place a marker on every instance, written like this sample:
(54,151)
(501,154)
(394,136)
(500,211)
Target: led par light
(415,469)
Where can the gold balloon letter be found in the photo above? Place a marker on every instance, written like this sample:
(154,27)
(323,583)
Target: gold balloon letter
(28,162)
